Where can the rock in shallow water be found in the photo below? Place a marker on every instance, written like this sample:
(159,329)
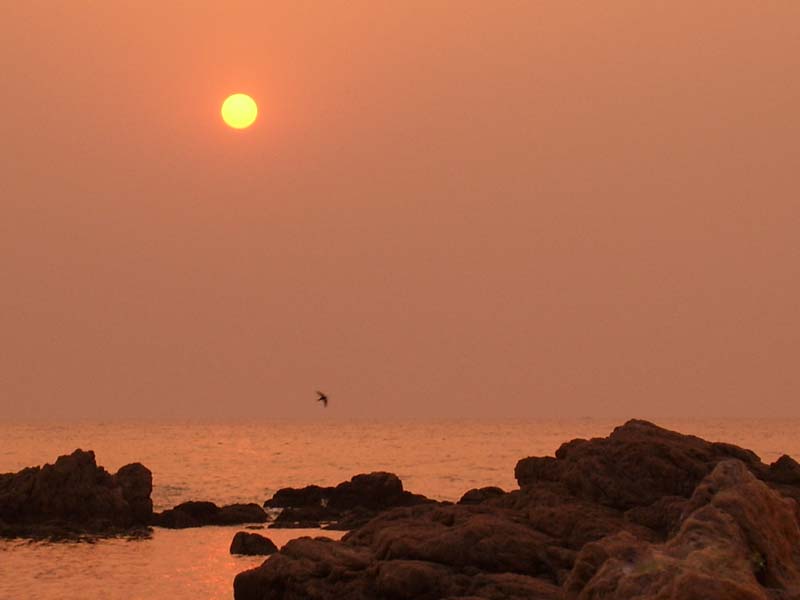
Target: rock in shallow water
(252,544)
(348,505)
(645,513)
(198,514)
(76,495)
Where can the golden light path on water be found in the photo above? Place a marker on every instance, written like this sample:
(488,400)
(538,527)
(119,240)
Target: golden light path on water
(176,564)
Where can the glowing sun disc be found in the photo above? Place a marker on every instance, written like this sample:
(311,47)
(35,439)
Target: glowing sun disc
(239,111)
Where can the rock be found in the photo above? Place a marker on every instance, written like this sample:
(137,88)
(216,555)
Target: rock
(662,516)
(311,495)
(74,494)
(199,514)
(188,514)
(479,495)
(347,505)
(136,482)
(573,521)
(252,544)
(636,465)
(412,578)
(351,519)
(738,539)
(305,517)
(307,568)
(236,514)
(374,491)
(422,552)
(645,513)
(785,470)
(464,537)
(510,586)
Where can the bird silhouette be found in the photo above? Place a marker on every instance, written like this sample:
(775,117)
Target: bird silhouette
(322,398)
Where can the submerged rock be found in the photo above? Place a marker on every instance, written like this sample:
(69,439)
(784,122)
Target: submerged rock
(252,544)
(347,505)
(75,495)
(198,514)
(645,513)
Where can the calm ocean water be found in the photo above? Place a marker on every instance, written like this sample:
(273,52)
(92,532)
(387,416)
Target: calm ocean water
(247,462)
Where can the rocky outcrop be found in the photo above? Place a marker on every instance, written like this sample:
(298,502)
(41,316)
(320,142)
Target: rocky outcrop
(136,482)
(75,495)
(645,513)
(638,464)
(480,495)
(198,514)
(737,539)
(252,544)
(422,552)
(345,506)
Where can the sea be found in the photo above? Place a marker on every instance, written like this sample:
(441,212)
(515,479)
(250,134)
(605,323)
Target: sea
(248,462)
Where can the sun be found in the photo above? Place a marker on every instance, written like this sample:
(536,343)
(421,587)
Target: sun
(239,111)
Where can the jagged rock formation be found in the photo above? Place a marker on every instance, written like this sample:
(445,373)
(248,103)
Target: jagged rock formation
(348,505)
(74,495)
(736,539)
(645,513)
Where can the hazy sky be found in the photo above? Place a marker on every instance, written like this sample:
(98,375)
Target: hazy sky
(472,208)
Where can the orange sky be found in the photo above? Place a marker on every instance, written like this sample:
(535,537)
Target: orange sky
(445,209)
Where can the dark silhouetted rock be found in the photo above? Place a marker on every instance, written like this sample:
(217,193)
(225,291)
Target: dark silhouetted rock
(349,504)
(188,514)
(645,513)
(465,537)
(785,470)
(199,514)
(236,514)
(136,482)
(374,491)
(311,495)
(636,465)
(252,544)
(305,517)
(74,494)
(479,495)
(308,568)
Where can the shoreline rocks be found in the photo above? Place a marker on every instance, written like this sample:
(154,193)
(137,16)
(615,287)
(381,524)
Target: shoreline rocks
(74,495)
(201,513)
(644,513)
(345,506)
(252,544)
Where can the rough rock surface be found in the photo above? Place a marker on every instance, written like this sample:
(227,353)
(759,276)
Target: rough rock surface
(479,495)
(636,465)
(737,539)
(345,506)
(645,513)
(252,544)
(136,482)
(74,495)
(198,514)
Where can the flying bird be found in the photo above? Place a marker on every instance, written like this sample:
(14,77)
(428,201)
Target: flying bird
(322,398)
